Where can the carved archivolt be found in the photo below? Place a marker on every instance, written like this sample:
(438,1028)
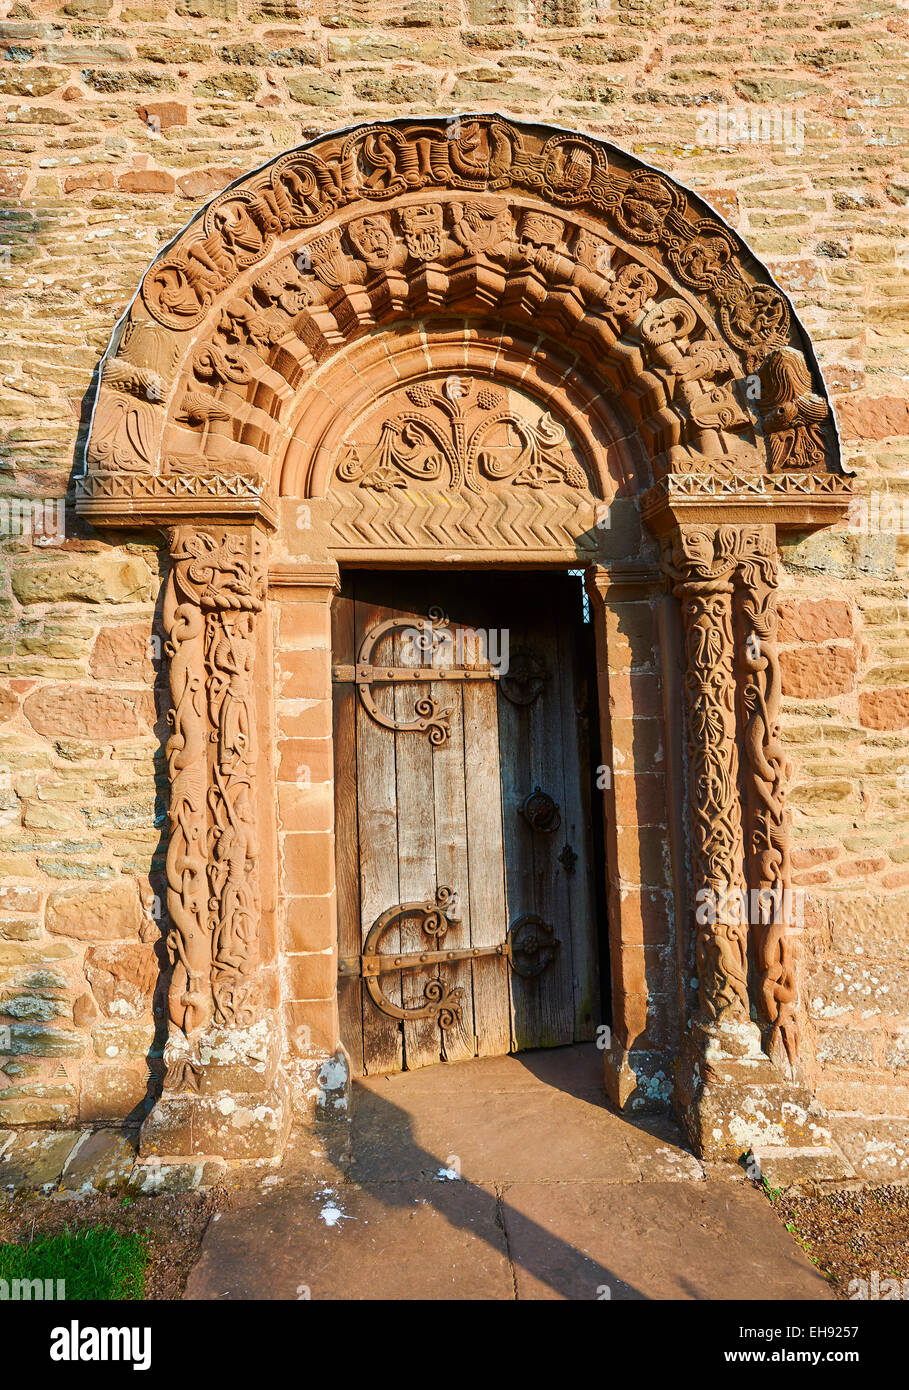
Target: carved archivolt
(481,217)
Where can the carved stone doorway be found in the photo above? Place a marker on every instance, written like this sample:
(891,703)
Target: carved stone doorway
(482,344)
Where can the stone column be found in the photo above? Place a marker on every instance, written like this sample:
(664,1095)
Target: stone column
(775,919)
(730,1094)
(703,581)
(224,1093)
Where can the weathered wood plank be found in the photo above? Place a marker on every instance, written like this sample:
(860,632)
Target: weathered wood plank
(486,867)
(515,764)
(450,814)
(417,878)
(553,989)
(377,809)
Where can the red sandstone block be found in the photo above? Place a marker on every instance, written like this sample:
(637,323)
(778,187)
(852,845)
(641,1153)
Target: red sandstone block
(637,745)
(303,761)
(311,1025)
(642,855)
(634,694)
(311,976)
(304,626)
(305,674)
(629,1017)
(311,924)
(818,673)
(313,721)
(146,181)
(202,183)
(628,970)
(881,417)
(629,636)
(860,868)
(646,917)
(12,182)
(161,115)
(303,807)
(816,854)
(75,183)
(804,620)
(309,864)
(640,799)
(885,709)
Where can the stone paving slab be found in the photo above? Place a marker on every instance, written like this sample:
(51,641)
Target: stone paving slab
(402,1241)
(454,1240)
(653,1240)
(522,1136)
(576,1070)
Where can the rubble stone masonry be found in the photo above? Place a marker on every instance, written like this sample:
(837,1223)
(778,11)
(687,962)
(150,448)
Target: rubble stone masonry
(118,121)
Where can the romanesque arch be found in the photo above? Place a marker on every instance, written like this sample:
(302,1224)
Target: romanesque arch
(323,369)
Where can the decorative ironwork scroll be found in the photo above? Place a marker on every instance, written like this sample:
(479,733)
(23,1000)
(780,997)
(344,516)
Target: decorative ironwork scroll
(427,640)
(529,948)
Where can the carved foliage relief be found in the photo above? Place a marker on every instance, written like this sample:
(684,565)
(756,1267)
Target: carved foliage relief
(215,588)
(461,434)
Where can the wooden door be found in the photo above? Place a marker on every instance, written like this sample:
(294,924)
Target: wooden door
(462,817)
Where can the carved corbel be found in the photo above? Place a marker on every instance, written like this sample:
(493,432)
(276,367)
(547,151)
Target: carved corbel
(215,590)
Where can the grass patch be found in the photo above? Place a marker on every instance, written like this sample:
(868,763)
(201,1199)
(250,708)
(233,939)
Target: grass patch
(96,1262)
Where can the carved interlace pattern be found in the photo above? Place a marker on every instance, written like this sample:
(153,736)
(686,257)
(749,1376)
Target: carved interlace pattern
(215,588)
(711,567)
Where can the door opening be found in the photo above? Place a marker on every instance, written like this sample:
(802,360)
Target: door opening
(469,845)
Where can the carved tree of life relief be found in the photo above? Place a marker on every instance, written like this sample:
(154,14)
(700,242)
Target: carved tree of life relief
(460,434)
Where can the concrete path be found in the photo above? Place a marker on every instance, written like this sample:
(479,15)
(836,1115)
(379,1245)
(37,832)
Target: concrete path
(507,1178)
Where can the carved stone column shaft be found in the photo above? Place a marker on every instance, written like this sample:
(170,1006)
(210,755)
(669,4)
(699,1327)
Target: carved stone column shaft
(768,832)
(703,582)
(219,1036)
